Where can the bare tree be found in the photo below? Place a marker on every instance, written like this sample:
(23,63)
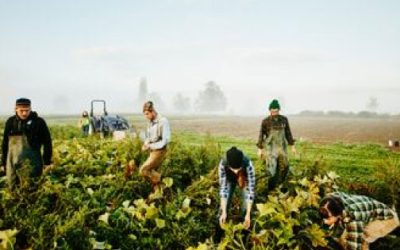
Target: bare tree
(372,104)
(181,103)
(211,99)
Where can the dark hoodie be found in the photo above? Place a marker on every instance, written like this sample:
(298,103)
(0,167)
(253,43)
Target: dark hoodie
(36,131)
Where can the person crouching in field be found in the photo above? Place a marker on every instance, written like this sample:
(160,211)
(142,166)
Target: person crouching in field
(84,123)
(359,220)
(276,135)
(236,170)
(158,135)
(25,134)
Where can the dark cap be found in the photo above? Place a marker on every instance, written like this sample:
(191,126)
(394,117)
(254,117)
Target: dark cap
(23,102)
(234,157)
(274,105)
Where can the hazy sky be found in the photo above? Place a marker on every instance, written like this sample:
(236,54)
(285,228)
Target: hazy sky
(319,55)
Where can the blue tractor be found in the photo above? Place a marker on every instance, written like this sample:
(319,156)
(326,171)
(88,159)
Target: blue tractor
(108,125)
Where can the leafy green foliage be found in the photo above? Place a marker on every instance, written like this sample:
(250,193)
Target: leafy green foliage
(86,201)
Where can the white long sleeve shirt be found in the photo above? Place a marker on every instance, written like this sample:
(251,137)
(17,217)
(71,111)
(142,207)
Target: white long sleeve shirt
(158,133)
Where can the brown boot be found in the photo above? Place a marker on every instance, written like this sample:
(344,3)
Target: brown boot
(155,182)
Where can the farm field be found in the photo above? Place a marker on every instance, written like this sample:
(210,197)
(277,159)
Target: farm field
(87,202)
(314,129)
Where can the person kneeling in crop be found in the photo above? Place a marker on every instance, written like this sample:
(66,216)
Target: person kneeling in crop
(158,135)
(359,220)
(236,169)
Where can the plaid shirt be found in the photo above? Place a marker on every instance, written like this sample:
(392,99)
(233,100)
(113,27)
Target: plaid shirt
(359,211)
(223,181)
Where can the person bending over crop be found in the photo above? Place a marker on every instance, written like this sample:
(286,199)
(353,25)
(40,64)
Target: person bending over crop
(236,170)
(25,134)
(276,135)
(158,135)
(357,220)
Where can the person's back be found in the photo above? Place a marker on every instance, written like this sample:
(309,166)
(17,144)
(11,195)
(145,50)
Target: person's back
(236,170)
(364,208)
(357,220)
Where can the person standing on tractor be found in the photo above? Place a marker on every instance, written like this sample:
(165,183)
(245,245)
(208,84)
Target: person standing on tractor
(236,170)
(84,123)
(157,138)
(25,134)
(355,221)
(275,135)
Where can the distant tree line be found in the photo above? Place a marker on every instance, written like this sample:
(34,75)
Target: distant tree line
(343,114)
(211,99)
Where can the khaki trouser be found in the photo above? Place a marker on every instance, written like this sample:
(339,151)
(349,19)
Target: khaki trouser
(19,153)
(374,230)
(148,169)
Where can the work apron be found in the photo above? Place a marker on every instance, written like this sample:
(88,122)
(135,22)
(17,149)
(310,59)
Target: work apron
(277,162)
(22,161)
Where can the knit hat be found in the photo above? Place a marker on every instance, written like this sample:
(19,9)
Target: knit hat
(234,157)
(23,102)
(274,105)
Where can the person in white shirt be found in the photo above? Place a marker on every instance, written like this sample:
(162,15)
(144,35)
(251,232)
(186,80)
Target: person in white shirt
(158,135)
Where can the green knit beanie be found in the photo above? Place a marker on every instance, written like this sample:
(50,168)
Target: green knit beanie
(274,105)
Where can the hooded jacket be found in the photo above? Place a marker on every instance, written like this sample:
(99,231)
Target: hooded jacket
(36,131)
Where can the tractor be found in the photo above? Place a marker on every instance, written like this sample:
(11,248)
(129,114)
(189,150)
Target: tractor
(108,125)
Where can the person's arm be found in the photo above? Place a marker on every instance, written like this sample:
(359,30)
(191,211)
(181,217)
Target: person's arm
(355,234)
(251,184)
(289,137)
(262,135)
(223,192)
(146,139)
(4,147)
(165,136)
(45,138)
(288,133)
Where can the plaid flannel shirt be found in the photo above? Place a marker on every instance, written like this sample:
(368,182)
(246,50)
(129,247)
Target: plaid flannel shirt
(251,181)
(359,211)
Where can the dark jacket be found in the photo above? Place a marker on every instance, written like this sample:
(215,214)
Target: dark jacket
(36,131)
(274,122)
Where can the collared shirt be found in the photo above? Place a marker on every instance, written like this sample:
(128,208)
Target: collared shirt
(223,181)
(158,133)
(359,211)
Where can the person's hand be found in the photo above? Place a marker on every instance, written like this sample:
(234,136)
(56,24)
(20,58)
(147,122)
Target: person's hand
(247,222)
(145,147)
(261,153)
(222,218)
(48,168)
